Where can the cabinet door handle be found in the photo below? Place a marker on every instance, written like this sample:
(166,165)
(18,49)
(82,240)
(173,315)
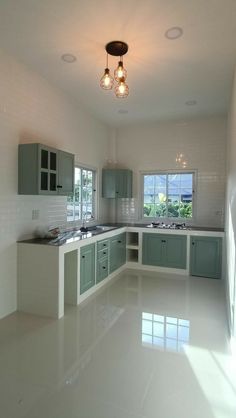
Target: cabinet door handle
(59,187)
(163,240)
(104,245)
(119,242)
(83,256)
(104,252)
(104,268)
(193,243)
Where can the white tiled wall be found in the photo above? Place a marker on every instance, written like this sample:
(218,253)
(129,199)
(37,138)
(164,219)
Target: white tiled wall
(31,110)
(230,218)
(155,147)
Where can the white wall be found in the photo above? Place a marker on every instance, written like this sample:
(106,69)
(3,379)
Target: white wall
(31,110)
(230,221)
(155,147)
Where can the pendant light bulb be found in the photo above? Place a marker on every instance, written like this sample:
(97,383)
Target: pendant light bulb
(107,80)
(120,72)
(122,89)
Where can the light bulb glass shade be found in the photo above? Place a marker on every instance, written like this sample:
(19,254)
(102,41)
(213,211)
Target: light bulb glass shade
(120,72)
(122,89)
(107,80)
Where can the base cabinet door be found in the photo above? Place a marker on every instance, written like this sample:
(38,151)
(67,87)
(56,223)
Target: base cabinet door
(87,267)
(165,250)
(117,251)
(153,249)
(102,269)
(176,251)
(205,257)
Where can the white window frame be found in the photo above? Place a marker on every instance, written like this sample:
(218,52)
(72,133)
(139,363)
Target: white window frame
(168,219)
(94,196)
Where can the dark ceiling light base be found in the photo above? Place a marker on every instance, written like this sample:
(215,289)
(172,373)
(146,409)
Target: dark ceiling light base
(117,48)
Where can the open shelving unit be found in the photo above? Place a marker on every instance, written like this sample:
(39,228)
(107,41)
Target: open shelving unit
(132,247)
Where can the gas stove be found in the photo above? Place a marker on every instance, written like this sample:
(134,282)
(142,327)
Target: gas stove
(162,225)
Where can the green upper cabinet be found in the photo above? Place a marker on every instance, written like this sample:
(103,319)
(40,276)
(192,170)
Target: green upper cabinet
(87,267)
(205,257)
(116,183)
(164,250)
(44,170)
(117,251)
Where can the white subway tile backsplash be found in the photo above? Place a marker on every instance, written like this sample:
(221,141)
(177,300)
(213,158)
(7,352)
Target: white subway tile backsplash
(33,111)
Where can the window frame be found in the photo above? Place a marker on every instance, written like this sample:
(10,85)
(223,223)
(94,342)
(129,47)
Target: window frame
(167,219)
(94,195)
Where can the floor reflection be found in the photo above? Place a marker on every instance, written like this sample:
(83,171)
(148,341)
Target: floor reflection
(164,332)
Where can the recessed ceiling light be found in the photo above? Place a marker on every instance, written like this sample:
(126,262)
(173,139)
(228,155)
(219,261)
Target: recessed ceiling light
(174,33)
(191,102)
(123,111)
(69,58)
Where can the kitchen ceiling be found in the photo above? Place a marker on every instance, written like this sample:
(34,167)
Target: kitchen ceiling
(163,74)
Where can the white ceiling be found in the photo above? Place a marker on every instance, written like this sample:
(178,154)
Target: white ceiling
(162,74)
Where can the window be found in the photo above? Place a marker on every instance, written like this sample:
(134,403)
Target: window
(81,204)
(168,195)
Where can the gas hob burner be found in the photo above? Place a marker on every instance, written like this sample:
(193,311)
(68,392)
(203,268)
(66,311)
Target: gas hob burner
(173,225)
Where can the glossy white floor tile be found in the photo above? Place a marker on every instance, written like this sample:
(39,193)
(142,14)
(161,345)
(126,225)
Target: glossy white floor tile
(147,345)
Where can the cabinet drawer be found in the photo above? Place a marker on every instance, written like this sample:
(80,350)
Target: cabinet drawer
(102,253)
(101,245)
(102,269)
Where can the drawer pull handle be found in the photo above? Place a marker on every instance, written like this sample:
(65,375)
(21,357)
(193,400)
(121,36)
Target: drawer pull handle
(104,245)
(104,268)
(119,242)
(104,252)
(83,256)
(59,187)
(163,240)
(193,243)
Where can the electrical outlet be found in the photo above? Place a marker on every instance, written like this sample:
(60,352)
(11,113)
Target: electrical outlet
(35,214)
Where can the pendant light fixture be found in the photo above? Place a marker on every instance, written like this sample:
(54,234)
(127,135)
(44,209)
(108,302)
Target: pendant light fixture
(117,49)
(107,80)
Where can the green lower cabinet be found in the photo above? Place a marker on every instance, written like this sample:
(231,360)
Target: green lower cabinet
(102,269)
(87,267)
(205,257)
(102,260)
(117,251)
(164,250)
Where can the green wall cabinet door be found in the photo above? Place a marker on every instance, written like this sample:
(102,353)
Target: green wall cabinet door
(117,251)
(102,259)
(44,170)
(164,250)
(205,257)
(66,168)
(87,267)
(116,183)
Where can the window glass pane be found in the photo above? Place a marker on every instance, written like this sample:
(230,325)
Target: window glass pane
(83,199)
(178,203)
(44,181)
(44,159)
(53,161)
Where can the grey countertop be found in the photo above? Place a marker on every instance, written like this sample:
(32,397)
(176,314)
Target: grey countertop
(73,236)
